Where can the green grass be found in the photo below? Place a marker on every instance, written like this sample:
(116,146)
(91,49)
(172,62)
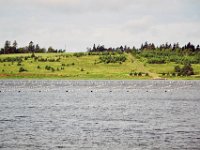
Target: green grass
(85,67)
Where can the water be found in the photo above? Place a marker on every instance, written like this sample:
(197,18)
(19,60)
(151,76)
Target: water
(99,115)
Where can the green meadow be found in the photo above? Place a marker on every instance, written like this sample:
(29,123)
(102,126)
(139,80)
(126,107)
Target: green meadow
(84,67)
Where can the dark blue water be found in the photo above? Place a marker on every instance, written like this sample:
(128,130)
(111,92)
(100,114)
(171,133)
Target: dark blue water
(99,115)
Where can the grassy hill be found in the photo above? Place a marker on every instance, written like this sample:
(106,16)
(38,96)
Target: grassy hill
(84,66)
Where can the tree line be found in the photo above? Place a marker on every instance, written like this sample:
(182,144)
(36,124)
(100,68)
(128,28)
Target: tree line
(12,48)
(189,48)
(147,46)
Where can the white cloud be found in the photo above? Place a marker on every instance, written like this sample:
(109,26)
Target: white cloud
(80,23)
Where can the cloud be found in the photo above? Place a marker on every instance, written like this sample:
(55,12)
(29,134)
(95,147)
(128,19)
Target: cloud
(81,23)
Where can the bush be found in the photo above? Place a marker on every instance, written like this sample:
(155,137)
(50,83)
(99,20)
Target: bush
(32,55)
(173,74)
(49,68)
(157,61)
(21,69)
(112,58)
(79,54)
(12,59)
(187,70)
(139,74)
(177,69)
(163,74)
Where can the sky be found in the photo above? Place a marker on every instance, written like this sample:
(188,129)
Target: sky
(78,24)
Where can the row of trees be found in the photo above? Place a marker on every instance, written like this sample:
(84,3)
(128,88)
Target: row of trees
(10,48)
(13,48)
(101,48)
(175,46)
(147,46)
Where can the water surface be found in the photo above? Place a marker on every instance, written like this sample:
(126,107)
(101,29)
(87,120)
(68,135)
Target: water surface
(42,114)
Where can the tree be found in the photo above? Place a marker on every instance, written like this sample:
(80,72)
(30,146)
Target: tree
(51,50)
(7,47)
(31,47)
(198,48)
(37,48)
(14,46)
(94,48)
(187,70)
(121,48)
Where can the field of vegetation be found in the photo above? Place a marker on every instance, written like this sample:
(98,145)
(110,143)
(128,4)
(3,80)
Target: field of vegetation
(167,61)
(91,65)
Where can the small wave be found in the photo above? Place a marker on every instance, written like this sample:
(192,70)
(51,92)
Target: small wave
(7,120)
(21,116)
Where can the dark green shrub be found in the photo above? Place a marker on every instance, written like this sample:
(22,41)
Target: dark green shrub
(139,74)
(79,54)
(163,74)
(173,74)
(32,55)
(187,70)
(156,60)
(112,58)
(48,67)
(21,69)
(177,69)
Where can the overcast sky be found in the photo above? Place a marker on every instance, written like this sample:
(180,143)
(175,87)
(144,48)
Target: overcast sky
(79,24)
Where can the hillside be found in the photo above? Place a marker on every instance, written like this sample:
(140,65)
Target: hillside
(85,66)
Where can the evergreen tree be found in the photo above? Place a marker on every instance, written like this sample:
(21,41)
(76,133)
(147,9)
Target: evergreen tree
(7,47)
(15,47)
(31,47)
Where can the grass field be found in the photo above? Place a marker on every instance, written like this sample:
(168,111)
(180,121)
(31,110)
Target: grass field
(84,67)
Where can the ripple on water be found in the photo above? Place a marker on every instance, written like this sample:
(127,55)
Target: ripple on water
(141,116)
